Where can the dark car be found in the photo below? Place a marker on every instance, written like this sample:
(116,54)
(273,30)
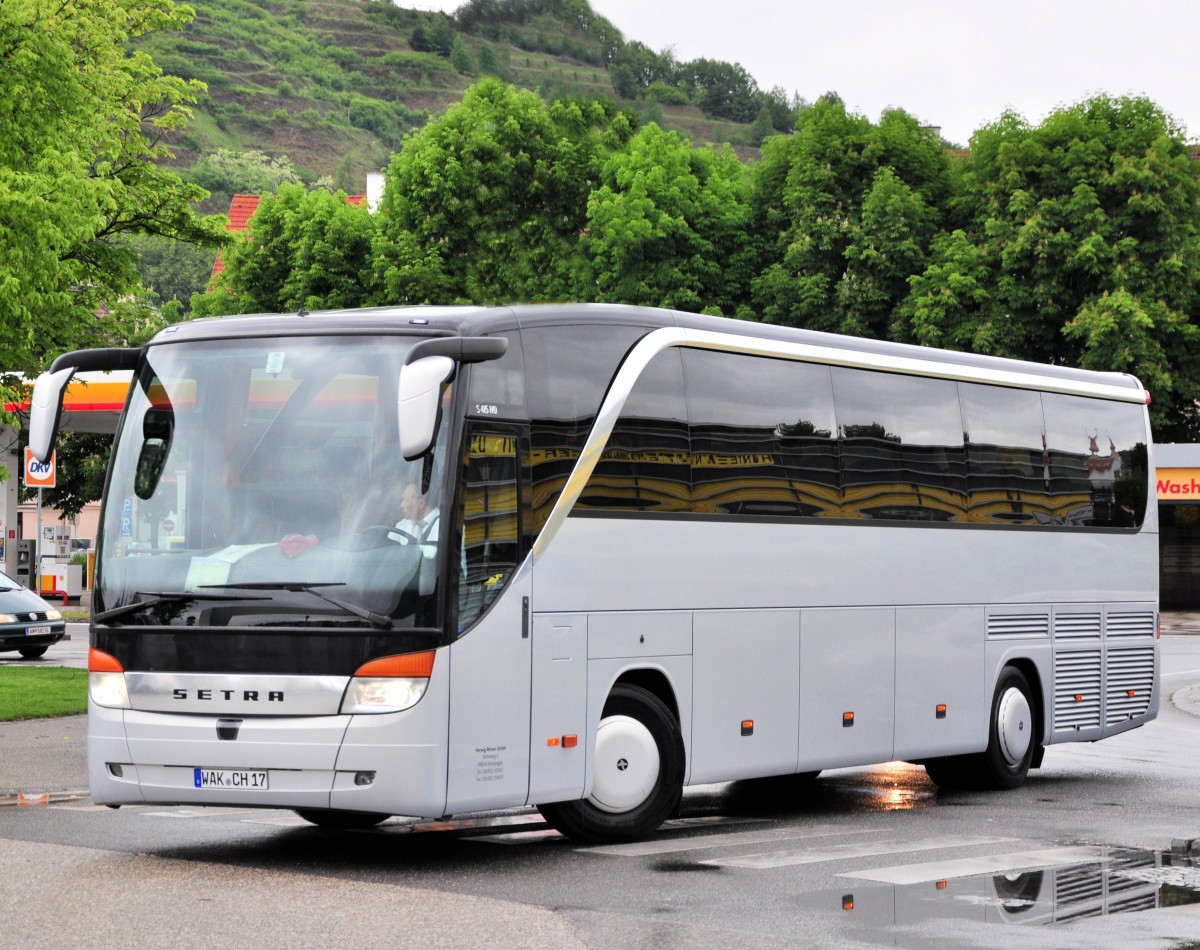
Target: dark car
(27,623)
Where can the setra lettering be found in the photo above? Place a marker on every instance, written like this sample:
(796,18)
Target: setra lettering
(229,695)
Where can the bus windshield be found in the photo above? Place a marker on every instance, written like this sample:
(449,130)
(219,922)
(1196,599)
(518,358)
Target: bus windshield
(260,483)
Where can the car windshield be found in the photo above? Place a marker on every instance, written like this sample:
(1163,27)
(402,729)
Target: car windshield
(260,483)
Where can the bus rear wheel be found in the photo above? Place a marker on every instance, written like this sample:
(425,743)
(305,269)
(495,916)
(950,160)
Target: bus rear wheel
(638,775)
(340,820)
(1012,736)
(1012,742)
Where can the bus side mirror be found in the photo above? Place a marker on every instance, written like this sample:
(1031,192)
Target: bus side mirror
(158,427)
(419,402)
(45,411)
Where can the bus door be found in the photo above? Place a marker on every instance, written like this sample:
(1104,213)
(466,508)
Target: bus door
(490,660)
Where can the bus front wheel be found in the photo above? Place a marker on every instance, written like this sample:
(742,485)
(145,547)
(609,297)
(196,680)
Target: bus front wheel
(638,775)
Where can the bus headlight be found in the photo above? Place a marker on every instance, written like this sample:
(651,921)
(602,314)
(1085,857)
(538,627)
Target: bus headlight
(108,689)
(368,694)
(106,680)
(389,683)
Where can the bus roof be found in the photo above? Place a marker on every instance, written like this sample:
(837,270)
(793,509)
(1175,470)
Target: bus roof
(483,321)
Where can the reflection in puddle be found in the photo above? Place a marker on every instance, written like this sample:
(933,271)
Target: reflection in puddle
(1122,881)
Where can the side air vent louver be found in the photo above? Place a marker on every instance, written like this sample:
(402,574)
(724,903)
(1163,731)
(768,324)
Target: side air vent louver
(1082,626)
(1130,683)
(1131,624)
(1076,690)
(1019,625)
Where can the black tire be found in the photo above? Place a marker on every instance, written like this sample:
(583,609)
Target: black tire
(1012,742)
(32,653)
(1012,733)
(952,771)
(627,805)
(340,820)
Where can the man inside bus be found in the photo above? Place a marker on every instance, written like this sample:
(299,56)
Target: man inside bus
(420,522)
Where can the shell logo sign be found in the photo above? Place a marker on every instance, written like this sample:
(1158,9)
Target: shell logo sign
(38,474)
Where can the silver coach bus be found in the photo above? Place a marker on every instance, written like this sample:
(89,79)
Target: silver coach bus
(427,561)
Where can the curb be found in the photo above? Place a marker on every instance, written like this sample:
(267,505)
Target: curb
(1187,700)
(34,799)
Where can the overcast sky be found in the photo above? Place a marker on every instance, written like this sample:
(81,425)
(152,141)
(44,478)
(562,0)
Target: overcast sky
(957,64)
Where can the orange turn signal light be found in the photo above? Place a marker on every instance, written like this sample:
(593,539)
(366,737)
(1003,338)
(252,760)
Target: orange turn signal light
(405,664)
(101,662)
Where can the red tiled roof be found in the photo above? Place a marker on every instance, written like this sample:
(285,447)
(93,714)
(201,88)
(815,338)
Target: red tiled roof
(241,210)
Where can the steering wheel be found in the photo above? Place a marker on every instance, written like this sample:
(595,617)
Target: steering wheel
(388,529)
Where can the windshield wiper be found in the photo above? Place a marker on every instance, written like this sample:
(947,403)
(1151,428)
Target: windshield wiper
(163,597)
(378,619)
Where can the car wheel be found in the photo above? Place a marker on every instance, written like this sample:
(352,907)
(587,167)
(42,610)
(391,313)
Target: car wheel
(32,653)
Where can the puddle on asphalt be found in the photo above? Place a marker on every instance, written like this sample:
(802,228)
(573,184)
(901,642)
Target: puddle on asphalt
(1121,881)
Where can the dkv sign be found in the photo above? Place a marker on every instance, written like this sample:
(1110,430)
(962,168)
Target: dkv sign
(38,474)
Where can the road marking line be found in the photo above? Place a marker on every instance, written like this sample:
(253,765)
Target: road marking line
(988,864)
(840,852)
(205,811)
(644,848)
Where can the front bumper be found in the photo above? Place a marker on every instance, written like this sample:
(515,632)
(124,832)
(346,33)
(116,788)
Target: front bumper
(14,637)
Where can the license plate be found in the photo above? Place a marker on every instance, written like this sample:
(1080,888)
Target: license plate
(229,778)
(37,631)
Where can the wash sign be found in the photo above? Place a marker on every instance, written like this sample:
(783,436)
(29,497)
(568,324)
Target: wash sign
(38,474)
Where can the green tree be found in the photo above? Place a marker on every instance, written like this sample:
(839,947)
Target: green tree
(720,89)
(171,270)
(461,58)
(846,210)
(225,173)
(486,203)
(667,226)
(304,249)
(82,122)
(1085,234)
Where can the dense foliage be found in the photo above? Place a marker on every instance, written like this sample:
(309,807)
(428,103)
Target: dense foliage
(83,191)
(1072,242)
(82,122)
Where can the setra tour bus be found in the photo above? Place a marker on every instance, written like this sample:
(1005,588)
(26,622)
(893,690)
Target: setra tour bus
(423,561)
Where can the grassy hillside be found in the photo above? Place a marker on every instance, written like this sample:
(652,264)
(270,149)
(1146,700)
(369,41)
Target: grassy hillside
(334,85)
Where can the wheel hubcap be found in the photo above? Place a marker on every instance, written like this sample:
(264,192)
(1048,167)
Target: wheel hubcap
(627,764)
(1014,726)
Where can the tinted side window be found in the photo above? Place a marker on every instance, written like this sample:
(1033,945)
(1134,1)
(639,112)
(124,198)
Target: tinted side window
(646,465)
(498,386)
(902,447)
(1008,480)
(1097,460)
(762,436)
(489,531)
(568,369)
